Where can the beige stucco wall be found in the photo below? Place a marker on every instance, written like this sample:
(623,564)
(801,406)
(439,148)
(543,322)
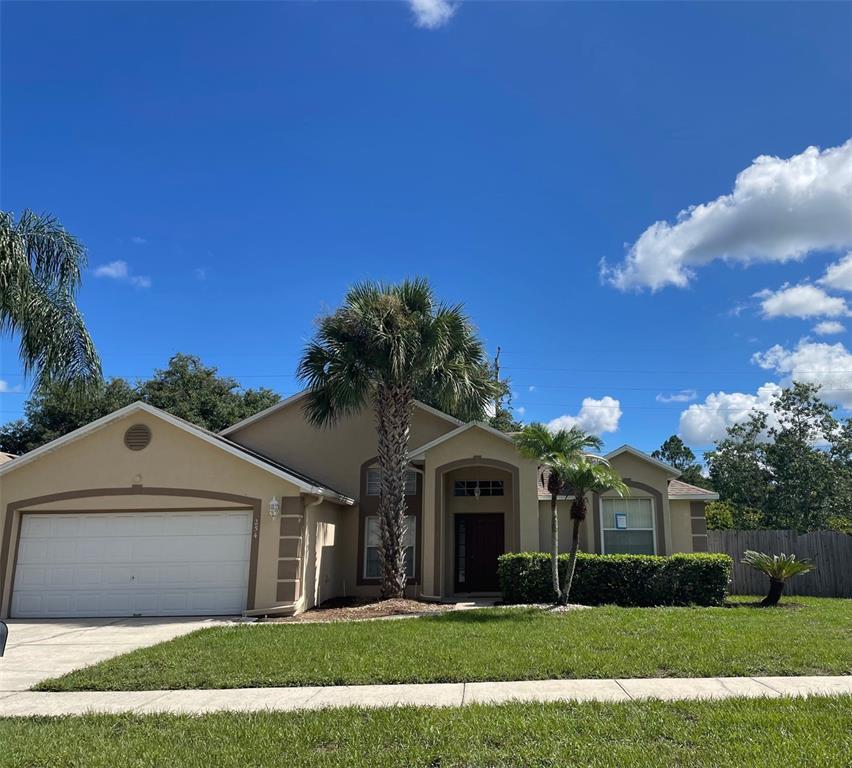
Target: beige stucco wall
(333,455)
(174,459)
(681,526)
(473,444)
(323,546)
(563,507)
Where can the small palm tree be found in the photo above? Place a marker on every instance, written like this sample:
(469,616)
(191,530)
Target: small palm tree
(40,268)
(554,451)
(384,344)
(584,475)
(779,569)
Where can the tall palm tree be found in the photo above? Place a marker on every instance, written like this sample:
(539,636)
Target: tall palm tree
(584,475)
(554,452)
(40,267)
(384,344)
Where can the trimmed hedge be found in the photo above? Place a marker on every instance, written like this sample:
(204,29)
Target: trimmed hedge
(629,580)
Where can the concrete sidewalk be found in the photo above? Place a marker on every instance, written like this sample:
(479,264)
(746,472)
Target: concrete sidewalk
(25,703)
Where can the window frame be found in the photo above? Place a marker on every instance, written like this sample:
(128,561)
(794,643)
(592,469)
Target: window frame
(408,474)
(484,485)
(413,546)
(653,527)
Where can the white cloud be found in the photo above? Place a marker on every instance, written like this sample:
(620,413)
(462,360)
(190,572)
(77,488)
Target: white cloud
(520,410)
(684,396)
(829,365)
(431,14)
(532,388)
(200,273)
(702,423)
(5,386)
(828,327)
(136,240)
(839,274)
(595,416)
(779,210)
(803,300)
(119,270)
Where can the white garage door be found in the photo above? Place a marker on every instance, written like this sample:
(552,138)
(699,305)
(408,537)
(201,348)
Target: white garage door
(132,564)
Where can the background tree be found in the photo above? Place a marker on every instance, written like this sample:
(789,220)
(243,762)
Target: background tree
(503,417)
(185,388)
(791,471)
(40,269)
(677,454)
(584,475)
(196,392)
(383,346)
(555,453)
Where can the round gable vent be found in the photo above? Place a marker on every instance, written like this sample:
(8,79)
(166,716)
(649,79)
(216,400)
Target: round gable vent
(137,437)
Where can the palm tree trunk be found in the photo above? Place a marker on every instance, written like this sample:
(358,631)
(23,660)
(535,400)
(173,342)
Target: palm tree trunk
(393,424)
(554,546)
(776,587)
(578,514)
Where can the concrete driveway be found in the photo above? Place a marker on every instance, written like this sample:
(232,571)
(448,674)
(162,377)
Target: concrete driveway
(51,647)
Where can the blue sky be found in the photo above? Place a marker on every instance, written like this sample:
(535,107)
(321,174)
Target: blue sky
(232,168)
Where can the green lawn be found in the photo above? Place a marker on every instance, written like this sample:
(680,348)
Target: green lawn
(493,644)
(733,733)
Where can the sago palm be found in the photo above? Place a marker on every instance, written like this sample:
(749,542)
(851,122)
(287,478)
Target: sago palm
(382,345)
(779,569)
(582,476)
(40,268)
(554,451)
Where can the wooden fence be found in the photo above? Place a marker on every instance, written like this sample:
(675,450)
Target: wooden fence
(831,553)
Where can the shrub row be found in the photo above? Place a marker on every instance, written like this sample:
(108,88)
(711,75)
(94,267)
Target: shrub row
(629,580)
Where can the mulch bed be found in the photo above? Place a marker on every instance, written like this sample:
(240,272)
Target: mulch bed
(351,610)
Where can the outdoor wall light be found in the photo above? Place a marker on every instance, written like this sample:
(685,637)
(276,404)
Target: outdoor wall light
(274,507)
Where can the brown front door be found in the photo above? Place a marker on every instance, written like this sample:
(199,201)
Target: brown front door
(479,542)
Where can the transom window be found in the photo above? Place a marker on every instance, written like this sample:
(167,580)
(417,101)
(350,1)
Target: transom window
(373,540)
(374,482)
(628,527)
(478,488)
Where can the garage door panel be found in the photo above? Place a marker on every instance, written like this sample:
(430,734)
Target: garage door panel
(133,563)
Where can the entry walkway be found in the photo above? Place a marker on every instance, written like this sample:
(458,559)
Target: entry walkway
(437,695)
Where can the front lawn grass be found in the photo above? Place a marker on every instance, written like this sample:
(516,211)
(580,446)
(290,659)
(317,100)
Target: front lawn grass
(493,644)
(722,734)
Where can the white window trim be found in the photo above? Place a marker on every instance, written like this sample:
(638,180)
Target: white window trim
(616,498)
(367,546)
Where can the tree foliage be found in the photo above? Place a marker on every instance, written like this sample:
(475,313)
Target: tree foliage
(185,388)
(791,471)
(679,455)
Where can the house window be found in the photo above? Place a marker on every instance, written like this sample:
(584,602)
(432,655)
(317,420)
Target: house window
(374,482)
(486,488)
(373,540)
(628,527)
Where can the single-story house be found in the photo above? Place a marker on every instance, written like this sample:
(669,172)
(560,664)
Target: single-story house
(143,514)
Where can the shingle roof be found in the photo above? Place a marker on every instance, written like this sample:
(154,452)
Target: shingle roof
(678,488)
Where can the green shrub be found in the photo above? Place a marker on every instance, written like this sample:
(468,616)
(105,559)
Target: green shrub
(720,515)
(629,580)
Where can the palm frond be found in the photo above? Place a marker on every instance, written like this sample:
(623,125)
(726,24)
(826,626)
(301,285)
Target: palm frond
(778,567)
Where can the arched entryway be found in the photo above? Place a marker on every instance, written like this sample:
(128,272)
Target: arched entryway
(477,511)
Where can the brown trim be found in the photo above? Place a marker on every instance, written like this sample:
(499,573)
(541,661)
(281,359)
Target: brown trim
(252,504)
(514,542)
(658,515)
(292,536)
(368,506)
(698,521)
